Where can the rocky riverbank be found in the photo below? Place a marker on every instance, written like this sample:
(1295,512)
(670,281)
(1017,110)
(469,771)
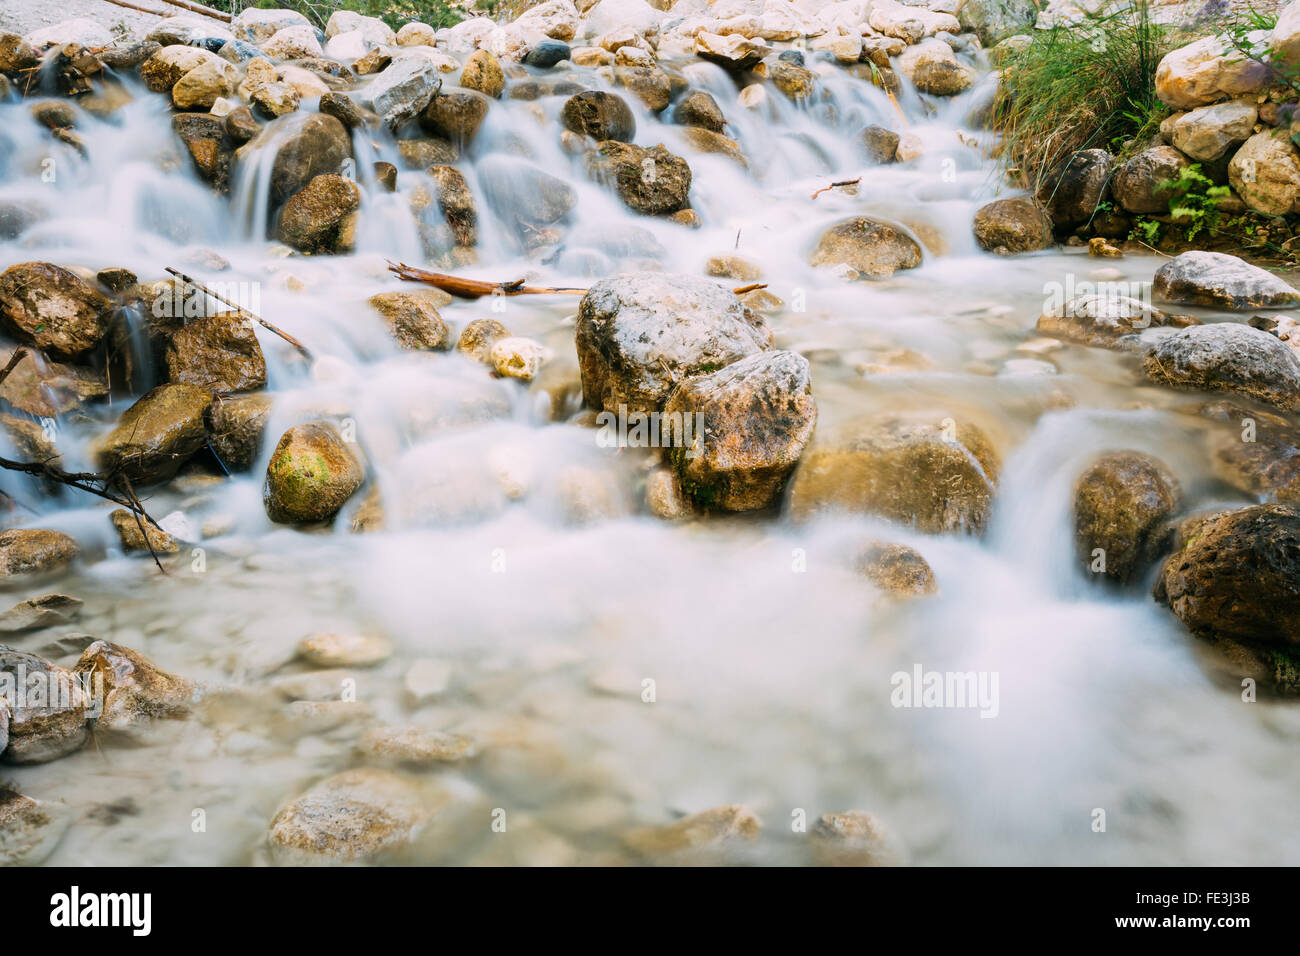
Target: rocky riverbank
(371,544)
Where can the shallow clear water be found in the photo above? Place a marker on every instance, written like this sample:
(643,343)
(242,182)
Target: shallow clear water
(771,658)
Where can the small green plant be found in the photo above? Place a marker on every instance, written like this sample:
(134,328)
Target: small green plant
(1146,230)
(1194,200)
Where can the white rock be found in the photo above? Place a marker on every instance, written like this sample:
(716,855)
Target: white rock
(304,82)
(1286,36)
(1205,71)
(352,45)
(466,36)
(910,23)
(293,43)
(417,34)
(87,32)
(375,30)
(556,19)
(255,25)
(1206,133)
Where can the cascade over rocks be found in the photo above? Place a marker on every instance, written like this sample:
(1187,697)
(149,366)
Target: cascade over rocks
(638,334)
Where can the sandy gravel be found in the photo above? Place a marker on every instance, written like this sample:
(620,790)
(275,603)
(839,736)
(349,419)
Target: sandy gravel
(24,16)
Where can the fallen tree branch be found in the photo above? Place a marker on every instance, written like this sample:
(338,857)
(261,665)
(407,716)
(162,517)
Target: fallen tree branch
(132,6)
(302,349)
(91,483)
(749,288)
(200,9)
(844,182)
(18,356)
(473,288)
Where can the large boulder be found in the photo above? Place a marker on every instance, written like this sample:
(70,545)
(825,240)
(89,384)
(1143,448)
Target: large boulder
(48,709)
(1226,356)
(1140,184)
(349,818)
(1072,193)
(1207,132)
(293,43)
(639,334)
(482,72)
(35,551)
(456,203)
(402,91)
(732,52)
(205,84)
(995,20)
(653,182)
(157,434)
(413,320)
(699,109)
(204,137)
(869,248)
(600,115)
(1206,71)
(933,68)
(311,474)
(758,414)
(520,192)
(910,23)
(257,25)
(219,352)
(50,307)
(1100,321)
(322,216)
(134,690)
(1265,172)
(455,115)
(317,145)
(1013,225)
(1220,281)
(1120,503)
(237,424)
(40,386)
(1238,577)
(921,473)
(164,69)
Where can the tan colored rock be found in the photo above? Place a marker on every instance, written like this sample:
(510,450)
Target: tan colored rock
(311,474)
(152,539)
(135,690)
(1265,173)
(1206,71)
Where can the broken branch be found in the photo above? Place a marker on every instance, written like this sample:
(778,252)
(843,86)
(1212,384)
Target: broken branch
(463,288)
(302,349)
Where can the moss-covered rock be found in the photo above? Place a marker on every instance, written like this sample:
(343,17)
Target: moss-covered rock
(311,474)
(157,434)
(1120,503)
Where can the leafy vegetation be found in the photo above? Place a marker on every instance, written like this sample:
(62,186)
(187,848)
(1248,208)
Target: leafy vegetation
(1081,86)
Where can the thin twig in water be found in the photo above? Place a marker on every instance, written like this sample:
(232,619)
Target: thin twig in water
(18,356)
(846,182)
(302,349)
(463,288)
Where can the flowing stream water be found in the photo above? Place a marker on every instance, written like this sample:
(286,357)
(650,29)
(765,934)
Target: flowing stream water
(771,658)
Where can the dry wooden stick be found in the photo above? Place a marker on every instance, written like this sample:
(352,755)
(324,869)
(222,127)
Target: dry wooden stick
(302,349)
(201,9)
(463,288)
(749,288)
(132,6)
(18,356)
(846,182)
